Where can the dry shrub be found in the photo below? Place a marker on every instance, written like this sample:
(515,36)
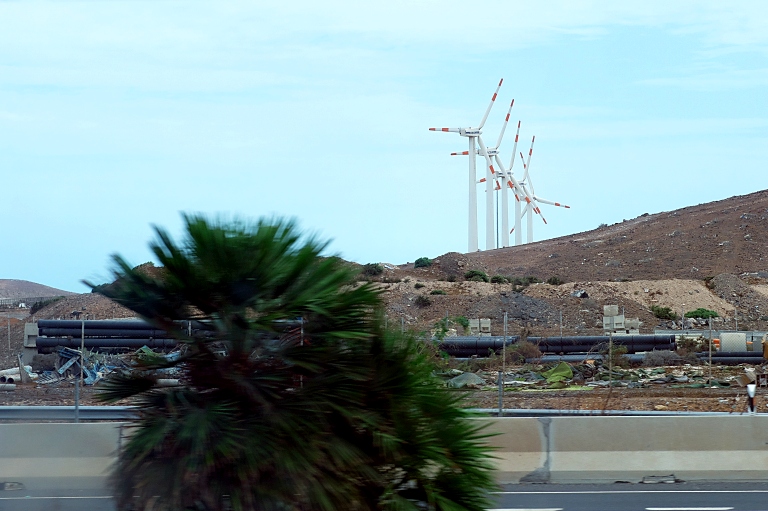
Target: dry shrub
(661,358)
(518,352)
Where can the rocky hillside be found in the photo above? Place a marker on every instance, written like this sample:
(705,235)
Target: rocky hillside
(712,256)
(16,289)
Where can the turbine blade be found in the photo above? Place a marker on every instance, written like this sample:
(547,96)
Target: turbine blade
(551,203)
(449,130)
(514,148)
(463,153)
(504,126)
(488,111)
(528,163)
(485,154)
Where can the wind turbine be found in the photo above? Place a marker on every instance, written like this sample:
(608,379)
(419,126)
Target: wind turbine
(472,134)
(533,206)
(521,194)
(493,184)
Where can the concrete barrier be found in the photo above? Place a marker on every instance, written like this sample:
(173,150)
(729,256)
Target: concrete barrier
(544,450)
(608,449)
(58,456)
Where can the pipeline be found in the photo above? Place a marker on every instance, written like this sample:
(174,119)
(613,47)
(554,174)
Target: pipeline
(635,358)
(481,346)
(48,344)
(104,332)
(128,324)
(718,354)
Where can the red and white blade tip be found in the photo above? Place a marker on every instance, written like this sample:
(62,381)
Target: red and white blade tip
(464,153)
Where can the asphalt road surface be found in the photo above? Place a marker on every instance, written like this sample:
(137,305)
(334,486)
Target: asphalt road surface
(635,497)
(528,497)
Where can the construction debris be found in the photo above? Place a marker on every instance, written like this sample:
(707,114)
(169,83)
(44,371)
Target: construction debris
(595,374)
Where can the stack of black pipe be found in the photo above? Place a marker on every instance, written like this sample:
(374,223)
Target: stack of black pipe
(131,334)
(734,357)
(464,347)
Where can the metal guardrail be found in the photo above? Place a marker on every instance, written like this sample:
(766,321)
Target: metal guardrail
(123,413)
(66,413)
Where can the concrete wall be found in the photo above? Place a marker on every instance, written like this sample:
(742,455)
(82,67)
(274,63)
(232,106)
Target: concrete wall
(607,449)
(52,456)
(547,450)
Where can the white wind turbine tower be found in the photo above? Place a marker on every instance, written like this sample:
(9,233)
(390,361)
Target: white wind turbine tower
(492,180)
(472,134)
(532,206)
(521,194)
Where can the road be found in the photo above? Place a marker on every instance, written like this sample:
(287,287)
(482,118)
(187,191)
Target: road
(55,494)
(635,497)
(534,497)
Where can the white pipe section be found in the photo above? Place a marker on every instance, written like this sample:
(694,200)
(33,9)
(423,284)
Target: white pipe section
(7,386)
(14,370)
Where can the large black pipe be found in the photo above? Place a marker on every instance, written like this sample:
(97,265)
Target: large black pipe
(561,343)
(128,324)
(742,354)
(69,342)
(480,346)
(737,360)
(103,332)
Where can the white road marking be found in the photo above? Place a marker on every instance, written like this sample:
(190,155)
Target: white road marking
(688,508)
(527,509)
(54,498)
(621,491)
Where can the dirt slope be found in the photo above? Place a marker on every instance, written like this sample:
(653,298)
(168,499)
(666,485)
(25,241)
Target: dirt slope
(711,256)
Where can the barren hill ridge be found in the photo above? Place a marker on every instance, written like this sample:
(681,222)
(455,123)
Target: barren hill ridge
(15,289)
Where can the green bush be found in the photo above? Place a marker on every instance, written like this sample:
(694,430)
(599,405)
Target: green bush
(499,279)
(451,278)
(701,313)
(663,312)
(44,303)
(422,262)
(373,269)
(437,292)
(476,276)
(524,281)
(462,320)
(418,285)
(554,280)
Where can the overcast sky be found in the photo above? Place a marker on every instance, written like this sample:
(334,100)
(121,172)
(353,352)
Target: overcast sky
(116,116)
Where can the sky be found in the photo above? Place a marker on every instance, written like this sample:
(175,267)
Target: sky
(116,117)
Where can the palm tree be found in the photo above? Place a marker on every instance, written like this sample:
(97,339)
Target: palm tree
(294,397)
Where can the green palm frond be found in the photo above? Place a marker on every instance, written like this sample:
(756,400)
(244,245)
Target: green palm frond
(330,413)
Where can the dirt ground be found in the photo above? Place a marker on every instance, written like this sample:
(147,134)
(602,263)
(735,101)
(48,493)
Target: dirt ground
(731,399)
